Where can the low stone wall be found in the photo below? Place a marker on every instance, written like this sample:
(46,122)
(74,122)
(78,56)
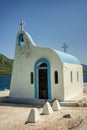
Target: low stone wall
(85,87)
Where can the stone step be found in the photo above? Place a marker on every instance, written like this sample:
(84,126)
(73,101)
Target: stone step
(29,101)
(68,104)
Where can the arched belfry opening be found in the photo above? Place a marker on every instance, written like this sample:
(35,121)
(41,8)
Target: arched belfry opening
(42,79)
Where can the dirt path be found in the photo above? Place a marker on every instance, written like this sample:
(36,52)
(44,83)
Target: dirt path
(14,116)
(82,126)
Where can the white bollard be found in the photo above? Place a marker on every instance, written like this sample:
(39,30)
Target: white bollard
(56,106)
(47,109)
(34,116)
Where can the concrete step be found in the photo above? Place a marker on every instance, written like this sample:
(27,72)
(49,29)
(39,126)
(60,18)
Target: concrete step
(29,101)
(68,104)
(36,102)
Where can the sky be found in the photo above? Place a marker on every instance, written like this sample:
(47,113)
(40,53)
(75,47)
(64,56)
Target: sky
(51,23)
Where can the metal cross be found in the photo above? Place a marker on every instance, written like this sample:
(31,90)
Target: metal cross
(64,47)
(22,25)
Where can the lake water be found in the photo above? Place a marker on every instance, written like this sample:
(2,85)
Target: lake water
(5,81)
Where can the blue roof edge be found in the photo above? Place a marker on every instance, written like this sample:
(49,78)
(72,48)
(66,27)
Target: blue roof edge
(67,58)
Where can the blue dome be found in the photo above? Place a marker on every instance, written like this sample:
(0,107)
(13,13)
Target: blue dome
(67,58)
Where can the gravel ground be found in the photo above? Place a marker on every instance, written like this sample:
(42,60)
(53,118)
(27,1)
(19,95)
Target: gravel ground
(14,116)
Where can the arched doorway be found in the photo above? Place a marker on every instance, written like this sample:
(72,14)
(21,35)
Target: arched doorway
(42,79)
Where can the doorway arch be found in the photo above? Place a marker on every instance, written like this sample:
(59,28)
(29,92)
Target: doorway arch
(42,83)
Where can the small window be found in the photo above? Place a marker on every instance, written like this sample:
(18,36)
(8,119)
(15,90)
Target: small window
(21,39)
(56,77)
(71,77)
(31,77)
(77,76)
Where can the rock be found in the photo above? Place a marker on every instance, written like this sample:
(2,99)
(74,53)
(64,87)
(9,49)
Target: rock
(85,104)
(82,100)
(67,116)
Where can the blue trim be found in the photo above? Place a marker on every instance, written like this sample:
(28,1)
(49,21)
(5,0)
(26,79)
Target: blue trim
(36,67)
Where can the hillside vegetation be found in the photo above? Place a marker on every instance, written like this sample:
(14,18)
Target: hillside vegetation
(5,65)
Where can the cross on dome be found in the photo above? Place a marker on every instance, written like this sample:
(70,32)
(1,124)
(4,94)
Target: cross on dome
(22,25)
(64,47)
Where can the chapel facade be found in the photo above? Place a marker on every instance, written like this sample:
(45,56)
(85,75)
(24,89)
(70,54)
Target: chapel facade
(44,73)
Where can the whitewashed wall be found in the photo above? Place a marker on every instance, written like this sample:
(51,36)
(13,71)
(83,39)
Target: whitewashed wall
(74,88)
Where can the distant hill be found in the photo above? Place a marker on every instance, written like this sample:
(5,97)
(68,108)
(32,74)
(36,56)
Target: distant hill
(5,65)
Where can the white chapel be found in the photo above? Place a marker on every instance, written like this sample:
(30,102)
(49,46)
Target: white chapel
(44,73)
